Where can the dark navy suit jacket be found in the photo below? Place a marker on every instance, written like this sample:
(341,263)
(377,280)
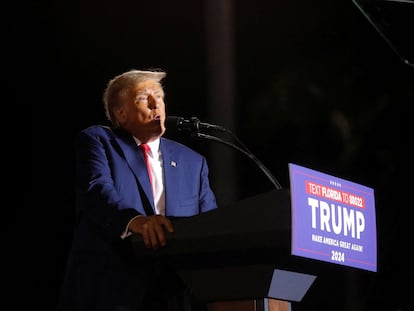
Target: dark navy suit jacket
(113,187)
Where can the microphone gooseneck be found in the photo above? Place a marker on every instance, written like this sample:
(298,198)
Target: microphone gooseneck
(194,127)
(192,124)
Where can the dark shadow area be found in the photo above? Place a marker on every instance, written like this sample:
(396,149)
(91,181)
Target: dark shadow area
(317,85)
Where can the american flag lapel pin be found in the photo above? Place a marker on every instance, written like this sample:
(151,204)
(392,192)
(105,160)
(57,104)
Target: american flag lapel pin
(173,163)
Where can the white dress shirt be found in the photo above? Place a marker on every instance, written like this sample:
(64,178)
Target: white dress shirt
(156,164)
(155,160)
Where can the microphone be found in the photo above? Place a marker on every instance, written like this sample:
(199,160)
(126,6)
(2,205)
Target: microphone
(192,124)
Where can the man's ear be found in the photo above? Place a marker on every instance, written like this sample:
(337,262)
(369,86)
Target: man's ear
(120,114)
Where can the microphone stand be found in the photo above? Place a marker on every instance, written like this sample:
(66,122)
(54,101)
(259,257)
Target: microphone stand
(244,150)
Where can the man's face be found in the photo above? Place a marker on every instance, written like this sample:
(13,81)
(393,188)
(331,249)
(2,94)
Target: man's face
(143,113)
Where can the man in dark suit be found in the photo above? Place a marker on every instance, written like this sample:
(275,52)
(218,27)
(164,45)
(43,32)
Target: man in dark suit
(117,197)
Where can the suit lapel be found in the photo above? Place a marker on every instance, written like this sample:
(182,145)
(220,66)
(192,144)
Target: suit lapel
(171,171)
(136,162)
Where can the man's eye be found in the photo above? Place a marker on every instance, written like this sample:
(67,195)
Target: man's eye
(141,99)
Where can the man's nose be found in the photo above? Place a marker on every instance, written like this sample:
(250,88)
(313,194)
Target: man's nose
(153,102)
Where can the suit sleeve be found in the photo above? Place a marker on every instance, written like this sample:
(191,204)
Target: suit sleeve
(207,197)
(99,197)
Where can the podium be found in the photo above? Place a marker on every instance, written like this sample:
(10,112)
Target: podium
(237,253)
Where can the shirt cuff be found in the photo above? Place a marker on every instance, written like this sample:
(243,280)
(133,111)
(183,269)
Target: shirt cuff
(126,232)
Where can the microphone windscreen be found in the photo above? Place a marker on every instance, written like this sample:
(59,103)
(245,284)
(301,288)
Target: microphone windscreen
(172,122)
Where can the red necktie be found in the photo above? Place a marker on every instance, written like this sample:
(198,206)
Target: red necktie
(145,149)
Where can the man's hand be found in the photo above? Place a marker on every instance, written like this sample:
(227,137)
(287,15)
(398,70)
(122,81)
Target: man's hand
(152,229)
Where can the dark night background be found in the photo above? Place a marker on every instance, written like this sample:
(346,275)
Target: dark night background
(305,82)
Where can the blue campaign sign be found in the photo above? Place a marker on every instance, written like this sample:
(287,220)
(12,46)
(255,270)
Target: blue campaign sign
(333,219)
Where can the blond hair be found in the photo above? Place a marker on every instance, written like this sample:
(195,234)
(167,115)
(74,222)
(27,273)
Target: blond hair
(119,87)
